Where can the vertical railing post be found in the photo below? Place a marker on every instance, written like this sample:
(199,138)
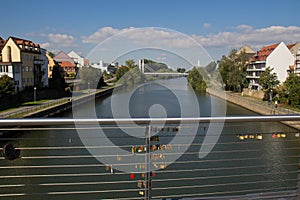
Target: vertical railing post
(148,164)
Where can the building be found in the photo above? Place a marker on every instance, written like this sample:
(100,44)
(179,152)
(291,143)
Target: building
(276,56)
(101,65)
(296,66)
(21,60)
(51,64)
(66,63)
(295,50)
(44,67)
(248,51)
(78,60)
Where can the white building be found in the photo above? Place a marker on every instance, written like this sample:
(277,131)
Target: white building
(101,65)
(276,56)
(78,60)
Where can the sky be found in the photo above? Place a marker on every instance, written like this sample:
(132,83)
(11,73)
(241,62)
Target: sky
(216,25)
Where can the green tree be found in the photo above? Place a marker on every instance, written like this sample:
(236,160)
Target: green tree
(121,71)
(268,80)
(290,92)
(52,55)
(6,85)
(130,64)
(132,77)
(91,78)
(196,81)
(233,70)
(180,70)
(57,80)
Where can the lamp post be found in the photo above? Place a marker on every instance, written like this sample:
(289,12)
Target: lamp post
(34,94)
(88,87)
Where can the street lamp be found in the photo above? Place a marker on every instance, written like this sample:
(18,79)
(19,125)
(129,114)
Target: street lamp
(89,87)
(34,94)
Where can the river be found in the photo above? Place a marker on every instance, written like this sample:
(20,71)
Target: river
(56,165)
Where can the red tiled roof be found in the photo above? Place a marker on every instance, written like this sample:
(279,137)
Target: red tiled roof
(66,64)
(262,54)
(24,42)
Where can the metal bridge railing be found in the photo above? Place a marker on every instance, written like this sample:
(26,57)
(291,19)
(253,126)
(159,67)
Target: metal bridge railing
(50,159)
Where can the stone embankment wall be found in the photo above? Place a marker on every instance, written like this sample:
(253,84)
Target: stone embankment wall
(256,105)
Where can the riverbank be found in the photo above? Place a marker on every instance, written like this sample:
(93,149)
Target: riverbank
(256,105)
(57,106)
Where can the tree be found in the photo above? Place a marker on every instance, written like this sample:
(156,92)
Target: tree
(196,81)
(290,91)
(121,71)
(233,70)
(130,63)
(6,85)
(52,55)
(268,80)
(57,81)
(180,70)
(91,78)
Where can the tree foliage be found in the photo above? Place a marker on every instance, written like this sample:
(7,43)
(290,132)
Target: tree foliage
(91,78)
(290,91)
(233,70)
(132,77)
(268,80)
(180,70)
(196,81)
(6,85)
(121,71)
(130,64)
(57,81)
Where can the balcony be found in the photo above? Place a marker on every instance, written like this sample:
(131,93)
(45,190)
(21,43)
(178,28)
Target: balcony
(253,77)
(49,159)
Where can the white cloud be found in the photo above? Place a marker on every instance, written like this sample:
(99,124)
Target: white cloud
(256,38)
(148,36)
(45,45)
(101,35)
(62,40)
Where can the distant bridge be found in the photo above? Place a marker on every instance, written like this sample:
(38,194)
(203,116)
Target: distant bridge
(143,66)
(166,73)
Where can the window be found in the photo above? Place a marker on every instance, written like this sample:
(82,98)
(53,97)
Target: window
(27,69)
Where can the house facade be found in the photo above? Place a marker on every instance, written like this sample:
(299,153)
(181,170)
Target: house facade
(21,60)
(66,63)
(297,63)
(276,56)
(78,60)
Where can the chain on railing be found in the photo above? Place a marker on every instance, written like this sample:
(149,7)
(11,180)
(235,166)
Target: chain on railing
(45,158)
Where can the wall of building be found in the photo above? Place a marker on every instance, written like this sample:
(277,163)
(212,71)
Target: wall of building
(280,59)
(15,52)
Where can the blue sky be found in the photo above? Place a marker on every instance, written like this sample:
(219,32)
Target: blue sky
(217,25)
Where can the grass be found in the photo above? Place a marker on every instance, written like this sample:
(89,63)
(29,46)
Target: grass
(33,103)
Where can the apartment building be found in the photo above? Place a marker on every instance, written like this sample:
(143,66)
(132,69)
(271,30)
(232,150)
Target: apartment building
(22,60)
(277,56)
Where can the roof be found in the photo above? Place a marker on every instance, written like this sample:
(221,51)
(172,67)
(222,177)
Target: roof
(2,43)
(262,54)
(86,62)
(246,49)
(66,64)
(19,41)
(62,56)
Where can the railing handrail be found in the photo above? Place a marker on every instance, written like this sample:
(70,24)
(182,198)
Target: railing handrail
(145,121)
